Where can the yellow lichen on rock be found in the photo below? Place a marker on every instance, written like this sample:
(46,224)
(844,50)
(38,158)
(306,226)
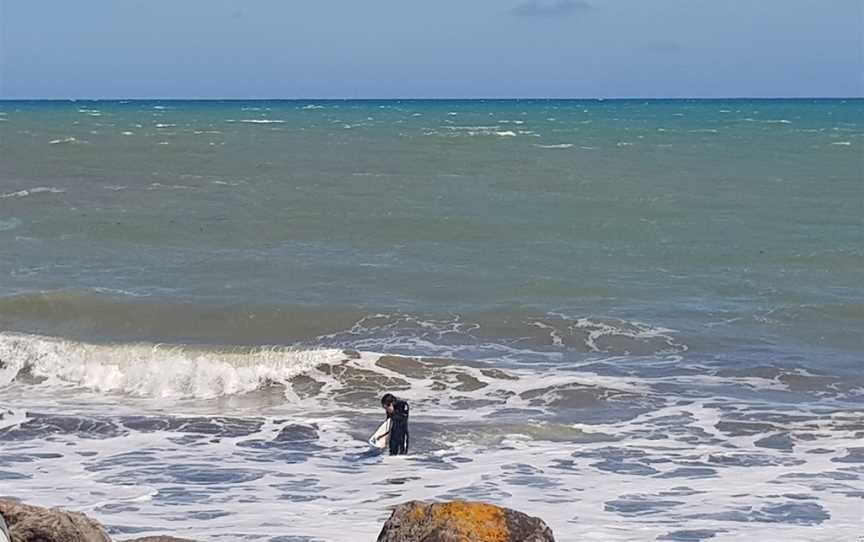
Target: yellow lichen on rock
(475,522)
(460,521)
(419,511)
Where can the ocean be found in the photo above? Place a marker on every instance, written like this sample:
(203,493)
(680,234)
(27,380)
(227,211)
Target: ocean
(637,320)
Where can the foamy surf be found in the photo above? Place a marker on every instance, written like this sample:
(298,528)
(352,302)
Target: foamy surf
(277,426)
(325,376)
(722,469)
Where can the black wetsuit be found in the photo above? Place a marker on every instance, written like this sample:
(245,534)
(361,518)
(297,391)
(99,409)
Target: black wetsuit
(399,428)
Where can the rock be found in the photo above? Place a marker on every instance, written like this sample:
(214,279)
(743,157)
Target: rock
(36,524)
(458,521)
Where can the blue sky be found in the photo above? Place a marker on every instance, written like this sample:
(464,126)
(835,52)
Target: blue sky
(446,48)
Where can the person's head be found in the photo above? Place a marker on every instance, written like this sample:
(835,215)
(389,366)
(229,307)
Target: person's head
(389,403)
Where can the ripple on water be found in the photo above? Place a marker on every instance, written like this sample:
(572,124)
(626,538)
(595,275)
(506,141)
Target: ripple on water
(199,474)
(690,535)
(40,426)
(640,505)
(798,513)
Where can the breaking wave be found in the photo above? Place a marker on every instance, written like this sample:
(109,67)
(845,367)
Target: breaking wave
(340,378)
(150,369)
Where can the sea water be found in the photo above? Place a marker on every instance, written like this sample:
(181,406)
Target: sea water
(638,320)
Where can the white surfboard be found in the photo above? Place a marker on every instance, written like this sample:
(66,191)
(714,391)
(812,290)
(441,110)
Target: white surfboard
(4,533)
(381,437)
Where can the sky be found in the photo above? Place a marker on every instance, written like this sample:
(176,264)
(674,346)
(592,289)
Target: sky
(441,49)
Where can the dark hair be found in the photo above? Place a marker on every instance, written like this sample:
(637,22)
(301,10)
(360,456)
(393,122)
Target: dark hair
(388,399)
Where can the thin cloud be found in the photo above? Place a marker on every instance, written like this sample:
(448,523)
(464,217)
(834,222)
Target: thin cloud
(557,8)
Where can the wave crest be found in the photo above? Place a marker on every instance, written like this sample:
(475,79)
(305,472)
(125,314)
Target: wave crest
(153,370)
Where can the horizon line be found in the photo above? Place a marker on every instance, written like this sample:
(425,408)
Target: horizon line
(439,99)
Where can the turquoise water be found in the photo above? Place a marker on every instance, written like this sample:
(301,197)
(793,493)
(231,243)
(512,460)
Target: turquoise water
(683,251)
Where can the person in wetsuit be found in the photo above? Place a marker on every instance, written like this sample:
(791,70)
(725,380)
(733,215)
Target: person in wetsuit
(397,412)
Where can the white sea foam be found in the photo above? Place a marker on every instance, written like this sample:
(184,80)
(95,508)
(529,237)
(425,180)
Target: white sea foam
(65,140)
(32,192)
(9,224)
(506,133)
(118,291)
(473,128)
(262,121)
(635,330)
(153,370)
(673,468)
(160,186)
(842,143)
(165,125)
(668,470)
(556,146)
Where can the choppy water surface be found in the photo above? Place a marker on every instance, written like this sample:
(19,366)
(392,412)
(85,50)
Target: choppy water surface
(637,320)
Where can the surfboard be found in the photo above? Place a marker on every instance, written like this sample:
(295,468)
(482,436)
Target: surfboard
(4,532)
(384,429)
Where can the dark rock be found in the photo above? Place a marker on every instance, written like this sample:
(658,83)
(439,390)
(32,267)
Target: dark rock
(36,524)
(458,521)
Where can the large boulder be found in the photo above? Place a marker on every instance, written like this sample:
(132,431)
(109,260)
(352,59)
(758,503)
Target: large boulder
(459,521)
(28,523)
(36,524)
